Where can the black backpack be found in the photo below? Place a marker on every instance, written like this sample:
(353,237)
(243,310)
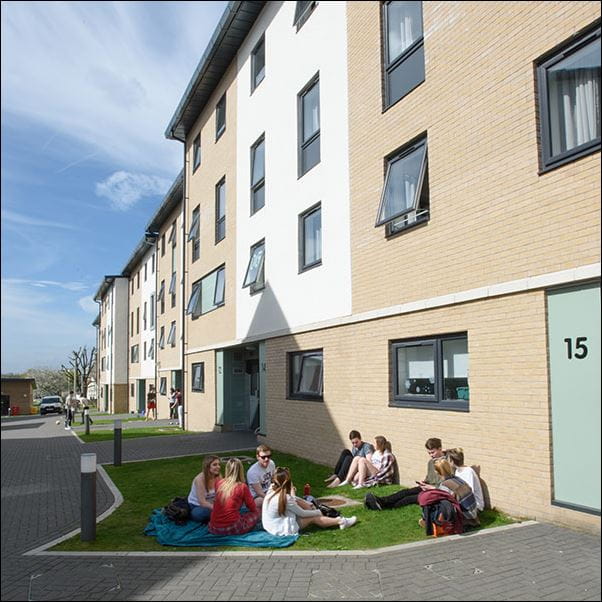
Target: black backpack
(323,508)
(178,510)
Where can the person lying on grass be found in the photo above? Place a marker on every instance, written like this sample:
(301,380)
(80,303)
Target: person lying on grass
(282,513)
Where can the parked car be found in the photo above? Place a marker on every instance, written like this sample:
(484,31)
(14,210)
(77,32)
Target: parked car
(52,403)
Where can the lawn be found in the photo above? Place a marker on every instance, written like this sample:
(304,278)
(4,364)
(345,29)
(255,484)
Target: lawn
(151,484)
(110,421)
(133,433)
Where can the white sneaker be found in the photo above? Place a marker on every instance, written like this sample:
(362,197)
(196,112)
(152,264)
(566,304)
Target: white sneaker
(348,522)
(358,486)
(342,483)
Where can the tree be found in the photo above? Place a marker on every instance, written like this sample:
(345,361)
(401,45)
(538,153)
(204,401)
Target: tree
(48,381)
(82,368)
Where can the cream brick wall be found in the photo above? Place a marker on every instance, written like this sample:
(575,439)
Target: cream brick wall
(218,159)
(492,217)
(200,407)
(506,432)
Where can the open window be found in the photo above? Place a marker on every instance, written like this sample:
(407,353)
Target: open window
(194,234)
(405,198)
(254,277)
(306,375)
(303,9)
(196,153)
(208,293)
(171,338)
(258,63)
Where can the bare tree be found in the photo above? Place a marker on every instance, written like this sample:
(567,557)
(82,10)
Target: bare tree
(82,367)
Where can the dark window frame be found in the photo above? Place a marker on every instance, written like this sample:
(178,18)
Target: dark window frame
(196,153)
(220,220)
(199,366)
(194,234)
(303,145)
(196,294)
(261,182)
(398,62)
(301,16)
(254,82)
(436,400)
(303,267)
(254,286)
(163,385)
(290,390)
(220,109)
(547,160)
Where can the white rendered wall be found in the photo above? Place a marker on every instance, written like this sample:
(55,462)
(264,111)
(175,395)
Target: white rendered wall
(292,59)
(119,362)
(147,367)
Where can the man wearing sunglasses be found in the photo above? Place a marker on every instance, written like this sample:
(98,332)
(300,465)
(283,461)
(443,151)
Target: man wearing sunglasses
(259,476)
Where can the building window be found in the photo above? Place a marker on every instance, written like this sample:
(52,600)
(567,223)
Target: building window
(196,153)
(310,238)
(153,263)
(258,64)
(131,327)
(302,11)
(163,386)
(151,349)
(144,312)
(171,338)
(152,311)
(220,210)
(132,390)
(568,86)
(144,351)
(405,198)
(404,49)
(431,373)
(172,289)
(194,235)
(145,271)
(258,175)
(207,293)
(138,280)
(308,120)
(306,375)
(137,320)
(132,292)
(161,296)
(162,338)
(134,354)
(220,117)
(162,244)
(198,377)
(254,277)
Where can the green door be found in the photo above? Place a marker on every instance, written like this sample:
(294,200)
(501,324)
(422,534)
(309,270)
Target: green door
(574,351)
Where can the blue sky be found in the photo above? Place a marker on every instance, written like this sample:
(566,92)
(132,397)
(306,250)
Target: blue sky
(88,89)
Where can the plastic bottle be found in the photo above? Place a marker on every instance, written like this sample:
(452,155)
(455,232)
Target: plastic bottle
(307,489)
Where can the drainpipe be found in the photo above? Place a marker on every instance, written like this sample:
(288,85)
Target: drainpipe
(184,249)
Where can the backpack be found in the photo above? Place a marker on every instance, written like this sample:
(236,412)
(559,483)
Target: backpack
(178,510)
(323,508)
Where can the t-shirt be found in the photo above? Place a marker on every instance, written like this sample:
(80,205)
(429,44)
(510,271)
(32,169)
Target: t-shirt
(466,473)
(363,450)
(227,512)
(260,476)
(274,523)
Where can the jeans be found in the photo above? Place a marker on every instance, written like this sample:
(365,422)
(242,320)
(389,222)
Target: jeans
(200,514)
(405,497)
(342,467)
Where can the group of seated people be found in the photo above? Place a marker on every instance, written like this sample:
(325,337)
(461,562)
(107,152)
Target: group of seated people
(233,505)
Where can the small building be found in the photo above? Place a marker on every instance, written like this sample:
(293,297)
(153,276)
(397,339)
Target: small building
(17,395)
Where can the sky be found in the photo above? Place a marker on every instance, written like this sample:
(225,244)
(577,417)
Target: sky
(88,89)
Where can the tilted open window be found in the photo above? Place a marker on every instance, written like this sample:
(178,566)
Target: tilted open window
(208,293)
(255,273)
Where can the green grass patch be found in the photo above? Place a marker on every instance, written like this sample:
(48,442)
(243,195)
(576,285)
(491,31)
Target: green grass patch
(151,484)
(134,433)
(103,421)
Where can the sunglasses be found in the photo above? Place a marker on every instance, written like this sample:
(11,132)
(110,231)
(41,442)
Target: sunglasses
(264,457)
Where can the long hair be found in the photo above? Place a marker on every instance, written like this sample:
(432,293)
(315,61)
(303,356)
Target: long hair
(382,444)
(209,478)
(281,485)
(234,475)
(444,468)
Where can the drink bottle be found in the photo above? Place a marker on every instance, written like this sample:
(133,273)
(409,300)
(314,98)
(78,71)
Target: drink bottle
(307,489)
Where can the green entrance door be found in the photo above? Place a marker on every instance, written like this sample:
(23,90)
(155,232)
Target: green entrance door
(574,351)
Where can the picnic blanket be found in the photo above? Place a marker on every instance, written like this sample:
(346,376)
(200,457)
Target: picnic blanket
(197,534)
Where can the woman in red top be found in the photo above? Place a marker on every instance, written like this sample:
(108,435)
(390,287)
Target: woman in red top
(231,493)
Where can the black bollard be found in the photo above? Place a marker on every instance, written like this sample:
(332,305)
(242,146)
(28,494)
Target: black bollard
(117,443)
(88,497)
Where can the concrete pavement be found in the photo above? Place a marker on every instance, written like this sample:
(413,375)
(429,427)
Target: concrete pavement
(40,502)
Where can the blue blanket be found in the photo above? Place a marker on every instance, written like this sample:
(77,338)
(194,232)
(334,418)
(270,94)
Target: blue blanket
(196,534)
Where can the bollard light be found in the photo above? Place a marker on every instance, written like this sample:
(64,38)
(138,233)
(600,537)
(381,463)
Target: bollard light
(117,443)
(87,420)
(88,497)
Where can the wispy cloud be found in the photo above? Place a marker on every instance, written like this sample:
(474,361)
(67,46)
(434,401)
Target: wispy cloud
(74,163)
(125,189)
(69,286)
(12,217)
(88,305)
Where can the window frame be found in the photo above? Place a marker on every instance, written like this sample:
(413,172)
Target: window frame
(196,153)
(303,267)
(163,385)
(162,338)
(436,401)
(548,161)
(196,294)
(258,45)
(194,234)
(172,334)
(219,220)
(134,354)
(201,367)
(220,107)
(254,286)
(255,187)
(303,145)
(390,66)
(290,375)
(301,17)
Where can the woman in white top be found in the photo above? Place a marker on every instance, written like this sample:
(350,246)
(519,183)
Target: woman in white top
(281,513)
(364,468)
(467,474)
(202,490)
